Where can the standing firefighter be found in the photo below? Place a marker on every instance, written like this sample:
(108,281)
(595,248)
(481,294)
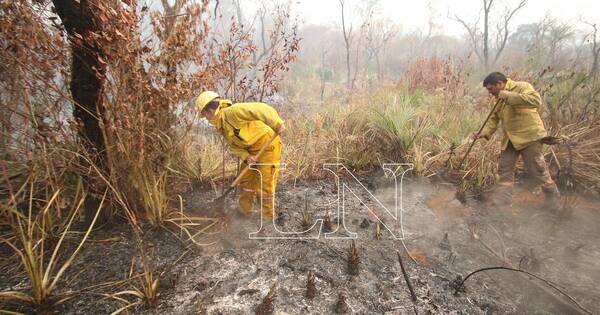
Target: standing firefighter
(516,106)
(247,127)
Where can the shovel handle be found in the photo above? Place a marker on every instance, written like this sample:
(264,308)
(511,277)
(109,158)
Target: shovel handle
(478,133)
(247,168)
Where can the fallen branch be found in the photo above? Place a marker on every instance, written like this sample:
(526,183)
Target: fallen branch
(547,282)
(410,288)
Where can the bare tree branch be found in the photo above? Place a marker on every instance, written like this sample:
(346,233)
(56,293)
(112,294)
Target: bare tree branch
(595,49)
(481,41)
(472,31)
(505,30)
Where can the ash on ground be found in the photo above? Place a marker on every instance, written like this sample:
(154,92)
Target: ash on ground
(446,240)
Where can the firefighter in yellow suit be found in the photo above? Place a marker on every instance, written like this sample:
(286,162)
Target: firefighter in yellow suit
(247,127)
(517,108)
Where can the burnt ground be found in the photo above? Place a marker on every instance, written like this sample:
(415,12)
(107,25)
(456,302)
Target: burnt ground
(232,274)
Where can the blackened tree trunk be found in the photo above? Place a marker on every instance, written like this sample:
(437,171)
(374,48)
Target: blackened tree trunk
(87,79)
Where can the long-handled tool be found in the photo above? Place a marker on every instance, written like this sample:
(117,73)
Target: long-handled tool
(219,202)
(477,136)
(460,193)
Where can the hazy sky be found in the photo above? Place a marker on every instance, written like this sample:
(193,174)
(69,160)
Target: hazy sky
(414,14)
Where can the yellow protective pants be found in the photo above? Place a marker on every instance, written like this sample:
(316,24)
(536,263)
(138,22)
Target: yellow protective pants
(260,184)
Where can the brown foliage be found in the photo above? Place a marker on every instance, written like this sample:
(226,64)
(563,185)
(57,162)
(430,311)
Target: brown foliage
(148,65)
(432,73)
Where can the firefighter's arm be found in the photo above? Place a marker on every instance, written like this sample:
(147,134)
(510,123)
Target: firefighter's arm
(527,98)
(257,111)
(239,152)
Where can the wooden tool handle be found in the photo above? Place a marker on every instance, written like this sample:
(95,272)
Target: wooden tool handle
(478,133)
(247,168)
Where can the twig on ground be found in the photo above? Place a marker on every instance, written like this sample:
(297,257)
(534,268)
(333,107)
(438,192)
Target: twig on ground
(406,278)
(407,252)
(547,282)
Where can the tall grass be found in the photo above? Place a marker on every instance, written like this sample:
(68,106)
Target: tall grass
(430,125)
(393,124)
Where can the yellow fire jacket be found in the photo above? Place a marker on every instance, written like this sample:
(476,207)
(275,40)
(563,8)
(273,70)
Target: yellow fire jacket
(521,121)
(242,124)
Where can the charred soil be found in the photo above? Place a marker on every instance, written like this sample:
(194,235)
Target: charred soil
(234,274)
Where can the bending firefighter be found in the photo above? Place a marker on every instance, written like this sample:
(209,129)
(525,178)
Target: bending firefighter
(516,106)
(247,127)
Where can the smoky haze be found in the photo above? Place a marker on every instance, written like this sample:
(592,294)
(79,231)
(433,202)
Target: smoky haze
(383,38)
(414,16)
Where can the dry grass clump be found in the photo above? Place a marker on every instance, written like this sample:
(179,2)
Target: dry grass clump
(39,251)
(576,161)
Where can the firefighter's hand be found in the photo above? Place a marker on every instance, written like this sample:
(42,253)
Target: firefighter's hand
(281,130)
(251,159)
(476,136)
(503,94)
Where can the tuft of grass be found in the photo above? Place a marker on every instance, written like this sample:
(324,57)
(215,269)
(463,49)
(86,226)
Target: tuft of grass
(353,260)
(30,245)
(148,291)
(395,124)
(198,160)
(152,189)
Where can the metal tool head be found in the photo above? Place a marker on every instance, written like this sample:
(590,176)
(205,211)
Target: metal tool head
(218,204)
(551,140)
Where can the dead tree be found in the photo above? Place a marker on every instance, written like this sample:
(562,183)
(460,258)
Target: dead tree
(169,23)
(261,14)
(87,71)
(480,40)
(238,11)
(376,31)
(558,33)
(544,39)
(281,50)
(347,43)
(432,25)
(252,52)
(322,75)
(592,38)
(87,79)
(379,34)
(169,18)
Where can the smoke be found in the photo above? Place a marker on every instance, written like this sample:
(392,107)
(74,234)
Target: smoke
(455,239)
(563,248)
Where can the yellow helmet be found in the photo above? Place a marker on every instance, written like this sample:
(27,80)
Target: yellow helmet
(204,98)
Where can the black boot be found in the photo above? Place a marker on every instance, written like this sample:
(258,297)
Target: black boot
(552,198)
(501,197)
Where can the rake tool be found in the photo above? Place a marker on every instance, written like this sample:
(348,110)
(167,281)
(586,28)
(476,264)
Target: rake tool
(219,202)
(460,194)
(477,136)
